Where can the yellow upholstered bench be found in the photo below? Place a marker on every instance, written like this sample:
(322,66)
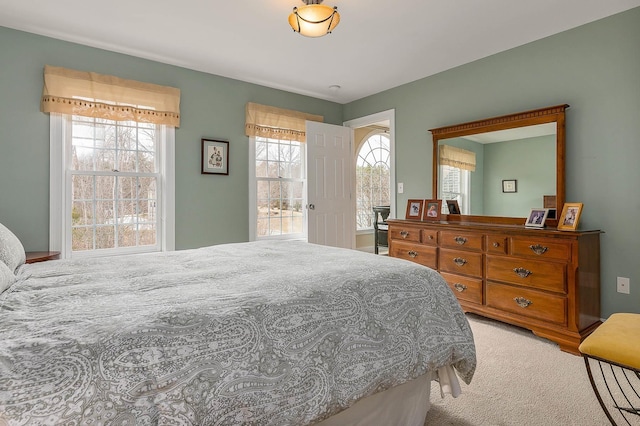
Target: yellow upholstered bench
(612,357)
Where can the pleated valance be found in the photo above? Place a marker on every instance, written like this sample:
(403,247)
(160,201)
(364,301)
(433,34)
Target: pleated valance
(457,157)
(90,94)
(277,123)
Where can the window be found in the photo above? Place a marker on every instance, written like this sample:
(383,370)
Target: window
(455,177)
(280,194)
(115,177)
(111,163)
(373,178)
(454,185)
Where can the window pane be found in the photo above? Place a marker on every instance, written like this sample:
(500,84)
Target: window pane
(280,187)
(105,237)
(373,178)
(82,238)
(126,205)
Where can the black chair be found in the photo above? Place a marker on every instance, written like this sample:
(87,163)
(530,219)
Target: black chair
(381,228)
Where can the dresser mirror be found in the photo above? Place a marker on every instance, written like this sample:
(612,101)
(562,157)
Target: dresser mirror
(519,162)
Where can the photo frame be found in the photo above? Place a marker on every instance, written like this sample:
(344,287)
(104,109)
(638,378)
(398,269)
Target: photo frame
(453,206)
(432,209)
(570,216)
(414,209)
(537,218)
(509,185)
(215,157)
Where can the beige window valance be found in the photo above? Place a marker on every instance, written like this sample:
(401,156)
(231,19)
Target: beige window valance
(457,157)
(277,123)
(103,96)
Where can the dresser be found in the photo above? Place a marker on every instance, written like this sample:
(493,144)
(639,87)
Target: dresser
(545,280)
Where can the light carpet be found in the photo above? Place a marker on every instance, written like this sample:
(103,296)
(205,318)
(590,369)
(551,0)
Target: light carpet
(520,379)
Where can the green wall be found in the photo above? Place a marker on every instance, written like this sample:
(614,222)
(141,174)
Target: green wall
(209,209)
(595,69)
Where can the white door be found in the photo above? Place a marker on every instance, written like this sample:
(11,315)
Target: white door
(329,185)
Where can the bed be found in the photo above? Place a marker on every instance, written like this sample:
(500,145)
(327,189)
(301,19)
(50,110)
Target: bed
(260,333)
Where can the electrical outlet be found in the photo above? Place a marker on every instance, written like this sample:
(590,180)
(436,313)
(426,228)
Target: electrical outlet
(623,285)
(400,188)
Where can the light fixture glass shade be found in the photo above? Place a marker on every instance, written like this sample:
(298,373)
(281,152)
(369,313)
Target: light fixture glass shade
(314,20)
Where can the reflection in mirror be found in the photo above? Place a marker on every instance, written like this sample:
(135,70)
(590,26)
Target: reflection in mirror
(472,168)
(471,161)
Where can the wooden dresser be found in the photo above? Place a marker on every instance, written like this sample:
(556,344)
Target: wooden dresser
(545,280)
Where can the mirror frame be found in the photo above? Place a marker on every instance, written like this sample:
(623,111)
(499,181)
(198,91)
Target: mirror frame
(553,114)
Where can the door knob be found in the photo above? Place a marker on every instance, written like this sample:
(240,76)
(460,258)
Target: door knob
(312,206)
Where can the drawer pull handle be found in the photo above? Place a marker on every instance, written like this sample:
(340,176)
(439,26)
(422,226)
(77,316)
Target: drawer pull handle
(496,244)
(460,240)
(412,253)
(522,302)
(538,249)
(460,287)
(459,261)
(522,273)
(404,234)
(430,237)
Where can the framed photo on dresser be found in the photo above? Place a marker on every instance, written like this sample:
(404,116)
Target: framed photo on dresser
(536,218)
(570,216)
(432,209)
(414,209)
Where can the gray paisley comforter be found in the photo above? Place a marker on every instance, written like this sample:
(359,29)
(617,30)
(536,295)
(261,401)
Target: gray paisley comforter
(264,333)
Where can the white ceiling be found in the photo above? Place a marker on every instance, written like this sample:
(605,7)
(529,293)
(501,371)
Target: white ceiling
(378,45)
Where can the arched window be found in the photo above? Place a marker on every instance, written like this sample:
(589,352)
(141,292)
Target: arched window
(373,180)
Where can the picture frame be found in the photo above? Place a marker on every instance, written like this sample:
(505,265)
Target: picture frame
(215,157)
(537,218)
(432,209)
(453,206)
(509,185)
(414,209)
(570,216)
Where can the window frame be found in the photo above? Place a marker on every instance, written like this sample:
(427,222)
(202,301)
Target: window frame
(60,200)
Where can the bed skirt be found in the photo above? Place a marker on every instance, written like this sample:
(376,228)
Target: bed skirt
(406,404)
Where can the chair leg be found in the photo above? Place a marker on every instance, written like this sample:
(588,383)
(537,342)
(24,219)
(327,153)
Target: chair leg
(614,379)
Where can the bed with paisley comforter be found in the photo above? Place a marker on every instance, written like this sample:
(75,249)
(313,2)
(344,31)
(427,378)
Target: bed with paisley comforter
(260,333)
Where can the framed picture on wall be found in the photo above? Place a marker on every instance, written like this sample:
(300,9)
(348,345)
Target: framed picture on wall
(432,209)
(215,157)
(509,185)
(414,209)
(568,220)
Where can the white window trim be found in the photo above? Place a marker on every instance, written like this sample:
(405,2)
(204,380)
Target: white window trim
(60,184)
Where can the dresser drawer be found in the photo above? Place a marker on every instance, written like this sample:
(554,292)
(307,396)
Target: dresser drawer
(465,288)
(415,252)
(429,236)
(469,241)
(530,303)
(404,233)
(538,274)
(497,244)
(541,249)
(461,262)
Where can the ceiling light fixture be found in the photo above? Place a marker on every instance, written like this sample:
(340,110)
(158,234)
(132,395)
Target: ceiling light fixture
(314,19)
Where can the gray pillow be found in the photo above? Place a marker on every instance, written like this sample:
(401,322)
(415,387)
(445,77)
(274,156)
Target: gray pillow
(6,277)
(11,249)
